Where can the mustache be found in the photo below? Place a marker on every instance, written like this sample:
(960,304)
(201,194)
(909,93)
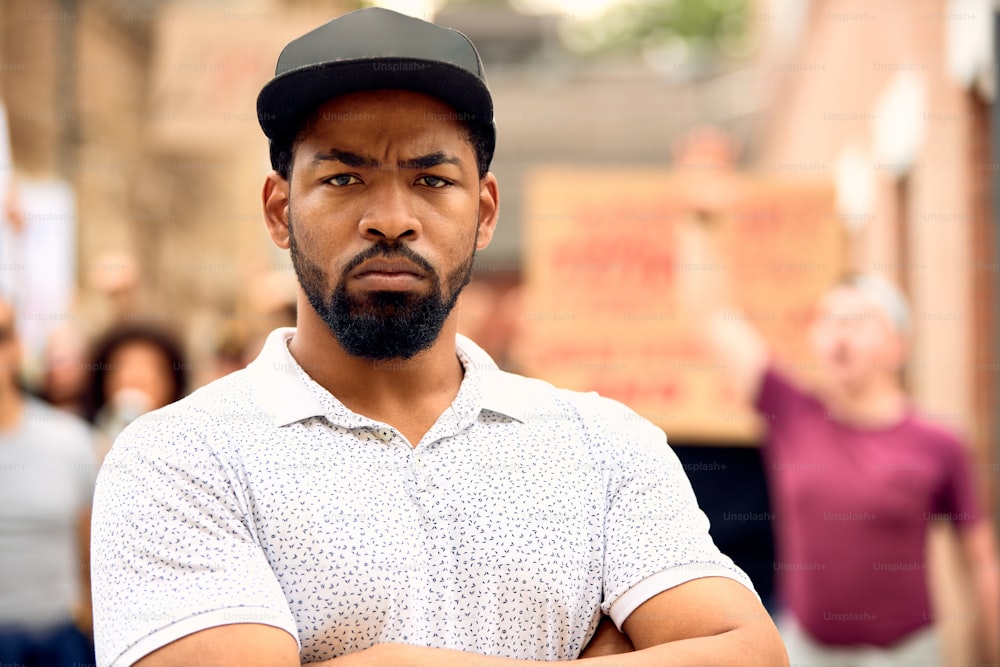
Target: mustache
(388,251)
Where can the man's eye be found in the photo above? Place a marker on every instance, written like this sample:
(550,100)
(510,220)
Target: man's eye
(343,179)
(433,181)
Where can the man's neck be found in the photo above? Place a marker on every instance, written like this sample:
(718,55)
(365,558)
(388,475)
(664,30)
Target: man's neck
(878,403)
(408,394)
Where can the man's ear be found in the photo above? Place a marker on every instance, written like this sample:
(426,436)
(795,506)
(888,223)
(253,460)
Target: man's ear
(275,201)
(489,209)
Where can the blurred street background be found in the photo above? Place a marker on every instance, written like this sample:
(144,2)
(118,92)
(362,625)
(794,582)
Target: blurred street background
(812,137)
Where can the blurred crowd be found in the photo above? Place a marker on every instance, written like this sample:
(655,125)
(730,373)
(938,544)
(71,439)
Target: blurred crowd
(63,401)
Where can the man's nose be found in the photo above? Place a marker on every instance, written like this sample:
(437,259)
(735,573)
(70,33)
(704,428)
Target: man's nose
(389,216)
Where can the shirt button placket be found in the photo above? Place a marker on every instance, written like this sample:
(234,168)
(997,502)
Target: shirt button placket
(421,578)
(417,465)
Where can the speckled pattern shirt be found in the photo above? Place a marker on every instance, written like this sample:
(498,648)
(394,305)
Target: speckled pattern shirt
(522,514)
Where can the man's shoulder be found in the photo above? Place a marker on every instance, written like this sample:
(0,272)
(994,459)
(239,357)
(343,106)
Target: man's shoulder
(222,404)
(531,390)
(590,410)
(203,434)
(531,394)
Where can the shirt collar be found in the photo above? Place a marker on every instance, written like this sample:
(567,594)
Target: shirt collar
(496,390)
(281,391)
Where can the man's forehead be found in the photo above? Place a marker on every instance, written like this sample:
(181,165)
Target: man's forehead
(387,102)
(385,125)
(355,126)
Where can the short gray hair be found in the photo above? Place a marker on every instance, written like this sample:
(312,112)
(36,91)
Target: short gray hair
(889,297)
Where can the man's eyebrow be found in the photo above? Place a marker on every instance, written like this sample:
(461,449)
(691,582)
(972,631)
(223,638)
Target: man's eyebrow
(347,157)
(430,160)
(366,162)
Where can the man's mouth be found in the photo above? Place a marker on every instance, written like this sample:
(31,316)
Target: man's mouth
(388,274)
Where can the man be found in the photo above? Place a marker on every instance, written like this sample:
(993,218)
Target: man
(47,469)
(373,489)
(857,476)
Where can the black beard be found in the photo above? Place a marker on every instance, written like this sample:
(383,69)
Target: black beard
(384,324)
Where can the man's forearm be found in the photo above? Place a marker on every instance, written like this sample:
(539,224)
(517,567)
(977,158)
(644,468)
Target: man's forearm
(607,640)
(736,647)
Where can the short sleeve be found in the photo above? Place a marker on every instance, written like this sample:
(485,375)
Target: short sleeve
(656,536)
(777,396)
(172,548)
(957,499)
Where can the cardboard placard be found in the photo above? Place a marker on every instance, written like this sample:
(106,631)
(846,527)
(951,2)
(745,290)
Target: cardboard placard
(602,269)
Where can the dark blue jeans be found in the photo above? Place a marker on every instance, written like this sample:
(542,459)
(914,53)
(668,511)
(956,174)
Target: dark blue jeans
(58,646)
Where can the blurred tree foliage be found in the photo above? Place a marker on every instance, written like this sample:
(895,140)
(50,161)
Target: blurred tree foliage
(691,31)
(701,28)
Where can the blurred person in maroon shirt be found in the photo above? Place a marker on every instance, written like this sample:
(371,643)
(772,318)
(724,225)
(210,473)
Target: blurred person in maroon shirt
(857,475)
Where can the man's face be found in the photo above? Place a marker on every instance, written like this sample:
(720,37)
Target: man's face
(140,366)
(854,339)
(385,211)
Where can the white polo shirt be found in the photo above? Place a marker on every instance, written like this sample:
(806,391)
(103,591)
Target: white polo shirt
(524,512)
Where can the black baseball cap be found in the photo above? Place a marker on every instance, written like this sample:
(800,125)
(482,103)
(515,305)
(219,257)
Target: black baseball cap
(372,49)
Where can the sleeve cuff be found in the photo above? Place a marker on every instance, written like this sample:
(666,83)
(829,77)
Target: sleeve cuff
(664,580)
(198,622)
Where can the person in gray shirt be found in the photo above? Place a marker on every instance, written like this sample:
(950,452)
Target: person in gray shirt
(47,473)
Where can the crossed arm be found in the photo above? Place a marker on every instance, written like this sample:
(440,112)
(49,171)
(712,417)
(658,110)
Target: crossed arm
(712,620)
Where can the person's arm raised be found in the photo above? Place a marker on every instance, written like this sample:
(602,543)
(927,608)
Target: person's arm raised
(704,296)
